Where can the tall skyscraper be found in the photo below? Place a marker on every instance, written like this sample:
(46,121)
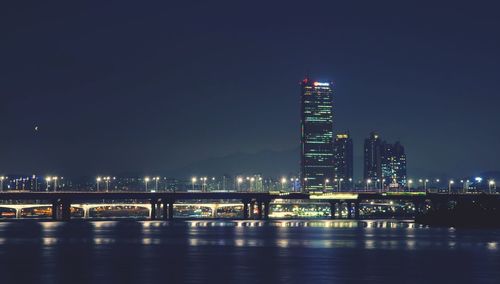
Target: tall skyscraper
(393,164)
(316,135)
(385,163)
(372,161)
(343,159)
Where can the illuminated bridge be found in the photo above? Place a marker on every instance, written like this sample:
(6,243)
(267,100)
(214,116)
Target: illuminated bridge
(254,205)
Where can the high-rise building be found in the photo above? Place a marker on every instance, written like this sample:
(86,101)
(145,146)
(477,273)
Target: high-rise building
(316,135)
(385,163)
(343,159)
(393,164)
(372,159)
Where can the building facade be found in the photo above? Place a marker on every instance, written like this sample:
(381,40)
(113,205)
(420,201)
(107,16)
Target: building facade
(384,163)
(317,167)
(393,164)
(343,160)
(372,169)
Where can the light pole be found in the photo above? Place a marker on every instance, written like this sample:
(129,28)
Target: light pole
(368,182)
(326,182)
(2,178)
(340,184)
(450,183)
(478,180)
(305,185)
(409,184)
(283,182)
(146,180)
(203,184)
(106,180)
(55,183)
(48,179)
(491,184)
(156,183)
(239,180)
(252,179)
(98,180)
(193,181)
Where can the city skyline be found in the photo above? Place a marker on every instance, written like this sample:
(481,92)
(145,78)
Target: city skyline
(249,141)
(92,101)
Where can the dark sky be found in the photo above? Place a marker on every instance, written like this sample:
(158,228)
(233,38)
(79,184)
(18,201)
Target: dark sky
(143,86)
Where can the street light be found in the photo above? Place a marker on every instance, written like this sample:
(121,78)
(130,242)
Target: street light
(478,180)
(252,179)
(239,181)
(203,184)
(491,184)
(283,182)
(98,180)
(340,184)
(146,180)
(450,183)
(368,182)
(2,178)
(193,181)
(409,184)
(106,180)
(47,179)
(305,184)
(156,179)
(55,183)
(326,182)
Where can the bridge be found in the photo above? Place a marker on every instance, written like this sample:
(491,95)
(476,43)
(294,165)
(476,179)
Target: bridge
(255,205)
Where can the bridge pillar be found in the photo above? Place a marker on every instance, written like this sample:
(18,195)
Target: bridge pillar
(55,210)
(171,210)
(153,210)
(86,210)
(267,204)
(252,209)
(245,209)
(66,211)
(259,210)
(332,209)
(349,210)
(165,210)
(214,210)
(356,209)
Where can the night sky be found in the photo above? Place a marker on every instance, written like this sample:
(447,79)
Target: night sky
(136,87)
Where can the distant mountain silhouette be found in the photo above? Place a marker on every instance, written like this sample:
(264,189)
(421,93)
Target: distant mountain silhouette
(268,163)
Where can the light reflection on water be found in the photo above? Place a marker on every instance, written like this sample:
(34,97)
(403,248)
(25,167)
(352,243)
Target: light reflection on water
(235,251)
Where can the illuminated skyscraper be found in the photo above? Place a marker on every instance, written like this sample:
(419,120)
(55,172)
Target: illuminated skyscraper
(317,167)
(384,162)
(393,164)
(372,165)
(343,159)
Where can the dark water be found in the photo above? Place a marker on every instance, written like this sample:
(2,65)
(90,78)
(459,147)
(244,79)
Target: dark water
(234,252)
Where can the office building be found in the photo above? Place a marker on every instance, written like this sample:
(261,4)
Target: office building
(316,135)
(343,160)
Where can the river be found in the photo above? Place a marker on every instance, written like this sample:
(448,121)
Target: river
(245,252)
